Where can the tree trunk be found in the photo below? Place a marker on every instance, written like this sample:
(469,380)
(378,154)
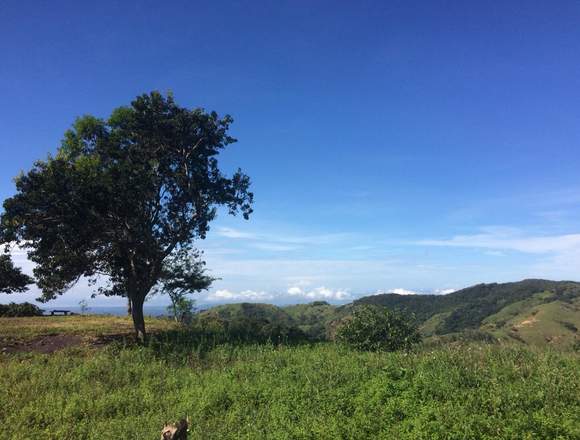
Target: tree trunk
(129,312)
(138,320)
(174,308)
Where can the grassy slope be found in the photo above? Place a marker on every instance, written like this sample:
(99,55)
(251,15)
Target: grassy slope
(468,308)
(499,310)
(556,323)
(319,391)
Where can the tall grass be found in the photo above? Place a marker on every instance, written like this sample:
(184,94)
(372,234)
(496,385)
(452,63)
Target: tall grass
(262,391)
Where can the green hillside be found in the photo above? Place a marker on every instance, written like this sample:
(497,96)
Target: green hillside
(258,312)
(313,318)
(536,312)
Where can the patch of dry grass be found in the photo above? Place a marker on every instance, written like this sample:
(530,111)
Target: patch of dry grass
(24,329)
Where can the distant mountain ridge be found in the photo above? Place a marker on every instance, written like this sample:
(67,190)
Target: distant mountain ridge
(532,311)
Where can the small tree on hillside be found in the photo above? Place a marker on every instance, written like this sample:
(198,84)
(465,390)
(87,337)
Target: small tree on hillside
(122,196)
(183,274)
(376,328)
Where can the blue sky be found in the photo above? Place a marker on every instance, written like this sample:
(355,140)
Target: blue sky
(424,145)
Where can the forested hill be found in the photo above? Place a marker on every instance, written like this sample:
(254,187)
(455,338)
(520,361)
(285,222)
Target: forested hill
(530,311)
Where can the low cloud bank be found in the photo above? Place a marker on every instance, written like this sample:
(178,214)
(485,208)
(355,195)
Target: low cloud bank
(294,293)
(402,291)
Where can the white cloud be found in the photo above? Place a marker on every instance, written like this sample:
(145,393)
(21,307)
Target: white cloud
(319,293)
(401,291)
(245,295)
(282,238)
(510,239)
(558,256)
(295,293)
(443,291)
(234,233)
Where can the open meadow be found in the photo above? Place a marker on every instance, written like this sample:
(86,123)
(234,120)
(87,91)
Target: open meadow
(114,389)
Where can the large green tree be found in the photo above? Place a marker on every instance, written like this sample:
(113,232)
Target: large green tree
(122,197)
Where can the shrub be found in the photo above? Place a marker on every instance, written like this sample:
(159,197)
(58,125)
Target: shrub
(17,310)
(375,328)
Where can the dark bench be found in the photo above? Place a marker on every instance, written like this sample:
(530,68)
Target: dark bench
(57,312)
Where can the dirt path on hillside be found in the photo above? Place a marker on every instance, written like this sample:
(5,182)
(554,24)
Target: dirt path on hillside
(527,322)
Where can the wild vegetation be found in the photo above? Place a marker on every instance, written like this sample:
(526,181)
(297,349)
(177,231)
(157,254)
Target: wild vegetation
(234,390)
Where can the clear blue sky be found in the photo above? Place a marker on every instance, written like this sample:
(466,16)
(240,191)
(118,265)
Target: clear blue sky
(420,145)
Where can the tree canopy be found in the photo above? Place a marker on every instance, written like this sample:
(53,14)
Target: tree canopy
(122,197)
(11,278)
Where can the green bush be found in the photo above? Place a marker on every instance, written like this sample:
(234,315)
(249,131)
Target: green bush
(16,310)
(375,328)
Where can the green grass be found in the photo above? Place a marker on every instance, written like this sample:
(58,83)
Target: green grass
(555,323)
(515,309)
(429,327)
(300,392)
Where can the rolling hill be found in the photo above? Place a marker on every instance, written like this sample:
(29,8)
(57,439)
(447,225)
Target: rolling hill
(530,311)
(535,312)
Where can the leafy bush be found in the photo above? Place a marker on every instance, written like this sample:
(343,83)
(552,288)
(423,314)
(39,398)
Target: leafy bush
(375,328)
(24,309)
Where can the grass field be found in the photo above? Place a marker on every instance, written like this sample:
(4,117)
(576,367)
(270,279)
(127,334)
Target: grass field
(284,392)
(89,325)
